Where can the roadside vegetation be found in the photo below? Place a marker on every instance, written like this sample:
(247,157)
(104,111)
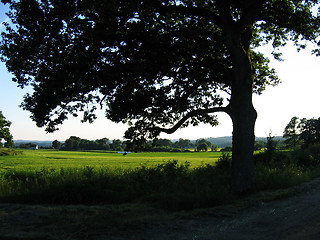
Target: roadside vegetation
(172,180)
(195,180)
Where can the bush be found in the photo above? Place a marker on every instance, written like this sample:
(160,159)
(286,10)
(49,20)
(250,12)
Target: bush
(224,162)
(308,157)
(276,159)
(271,178)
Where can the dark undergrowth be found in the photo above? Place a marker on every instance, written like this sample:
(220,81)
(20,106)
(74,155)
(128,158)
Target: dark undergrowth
(169,185)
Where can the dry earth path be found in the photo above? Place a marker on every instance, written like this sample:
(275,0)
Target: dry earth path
(296,217)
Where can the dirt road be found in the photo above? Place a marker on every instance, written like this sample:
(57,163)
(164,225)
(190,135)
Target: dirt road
(293,218)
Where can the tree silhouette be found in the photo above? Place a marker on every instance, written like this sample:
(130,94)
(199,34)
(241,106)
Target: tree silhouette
(5,134)
(291,133)
(156,64)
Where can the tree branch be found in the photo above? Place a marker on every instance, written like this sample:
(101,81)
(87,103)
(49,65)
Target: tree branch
(189,115)
(191,11)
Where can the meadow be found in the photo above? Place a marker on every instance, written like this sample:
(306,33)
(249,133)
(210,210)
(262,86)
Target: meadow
(176,180)
(173,180)
(34,160)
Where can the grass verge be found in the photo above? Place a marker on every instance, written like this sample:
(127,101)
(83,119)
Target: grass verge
(170,185)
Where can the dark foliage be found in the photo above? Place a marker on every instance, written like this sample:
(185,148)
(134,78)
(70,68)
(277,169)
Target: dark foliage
(224,162)
(302,132)
(308,157)
(226,149)
(76,143)
(153,64)
(169,185)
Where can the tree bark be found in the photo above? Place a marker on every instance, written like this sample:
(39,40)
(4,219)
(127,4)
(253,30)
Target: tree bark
(242,112)
(243,117)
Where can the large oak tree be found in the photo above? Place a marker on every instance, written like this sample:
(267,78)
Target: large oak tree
(155,64)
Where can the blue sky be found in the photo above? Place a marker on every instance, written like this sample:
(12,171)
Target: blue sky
(297,95)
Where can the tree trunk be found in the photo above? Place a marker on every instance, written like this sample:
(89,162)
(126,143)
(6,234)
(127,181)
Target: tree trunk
(243,116)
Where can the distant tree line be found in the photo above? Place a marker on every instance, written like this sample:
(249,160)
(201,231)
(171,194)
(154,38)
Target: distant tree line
(28,145)
(298,133)
(76,143)
(159,144)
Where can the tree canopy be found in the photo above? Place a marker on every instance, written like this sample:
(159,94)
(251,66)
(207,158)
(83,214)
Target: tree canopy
(153,61)
(291,133)
(76,143)
(5,134)
(305,132)
(155,64)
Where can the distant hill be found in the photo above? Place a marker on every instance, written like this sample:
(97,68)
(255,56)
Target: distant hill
(223,142)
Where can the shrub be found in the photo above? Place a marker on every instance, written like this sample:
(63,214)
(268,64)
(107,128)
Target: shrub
(224,162)
(308,157)
(276,159)
(270,178)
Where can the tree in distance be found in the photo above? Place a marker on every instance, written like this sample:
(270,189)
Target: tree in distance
(157,65)
(202,147)
(214,147)
(291,133)
(56,144)
(183,143)
(5,134)
(202,140)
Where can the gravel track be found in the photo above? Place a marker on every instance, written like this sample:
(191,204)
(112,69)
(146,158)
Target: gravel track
(296,217)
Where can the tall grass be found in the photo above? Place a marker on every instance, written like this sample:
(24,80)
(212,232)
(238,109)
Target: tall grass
(172,184)
(283,169)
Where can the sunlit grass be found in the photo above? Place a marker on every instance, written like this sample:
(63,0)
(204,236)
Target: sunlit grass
(32,160)
(171,180)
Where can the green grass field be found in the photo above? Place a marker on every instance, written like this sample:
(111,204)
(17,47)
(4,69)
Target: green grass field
(33,160)
(62,177)
(163,179)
